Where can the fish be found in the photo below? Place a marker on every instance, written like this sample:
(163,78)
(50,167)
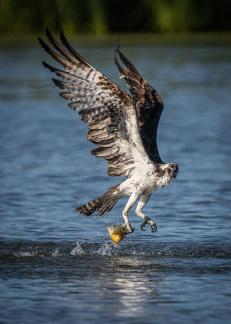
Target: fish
(117,233)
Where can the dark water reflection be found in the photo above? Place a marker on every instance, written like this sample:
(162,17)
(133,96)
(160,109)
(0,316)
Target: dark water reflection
(59,267)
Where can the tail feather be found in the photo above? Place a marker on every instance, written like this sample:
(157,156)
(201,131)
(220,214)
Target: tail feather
(102,204)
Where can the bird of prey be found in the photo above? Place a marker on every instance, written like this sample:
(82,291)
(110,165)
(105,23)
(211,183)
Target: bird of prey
(122,125)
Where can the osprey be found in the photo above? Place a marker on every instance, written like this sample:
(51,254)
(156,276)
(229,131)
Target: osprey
(122,125)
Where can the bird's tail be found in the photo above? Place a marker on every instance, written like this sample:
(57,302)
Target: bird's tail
(101,204)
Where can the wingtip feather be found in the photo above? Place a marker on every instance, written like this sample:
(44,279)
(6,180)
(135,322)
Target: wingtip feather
(46,65)
(62,36)
(58,83)
(49,67)
(41,41)
(44,44)
(48,33)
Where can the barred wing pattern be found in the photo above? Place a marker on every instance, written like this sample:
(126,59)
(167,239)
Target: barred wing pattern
(107,110)
(149,104)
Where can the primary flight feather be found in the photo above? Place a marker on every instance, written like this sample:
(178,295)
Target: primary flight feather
(123,126)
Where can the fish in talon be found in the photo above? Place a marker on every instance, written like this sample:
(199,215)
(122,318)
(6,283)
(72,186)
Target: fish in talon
(118,232)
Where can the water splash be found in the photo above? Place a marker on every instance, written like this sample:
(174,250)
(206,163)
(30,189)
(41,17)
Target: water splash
(79,248)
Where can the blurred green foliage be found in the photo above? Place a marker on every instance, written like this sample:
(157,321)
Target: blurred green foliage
(100,17)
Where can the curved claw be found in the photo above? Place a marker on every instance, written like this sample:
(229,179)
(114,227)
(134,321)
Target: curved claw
(142,226)
(154,228)
(146,221)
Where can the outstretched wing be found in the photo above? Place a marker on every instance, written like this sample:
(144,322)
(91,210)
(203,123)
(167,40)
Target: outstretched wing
(107,110)
(148,102)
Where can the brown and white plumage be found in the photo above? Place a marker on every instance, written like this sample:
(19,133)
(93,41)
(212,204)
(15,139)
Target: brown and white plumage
(123,126)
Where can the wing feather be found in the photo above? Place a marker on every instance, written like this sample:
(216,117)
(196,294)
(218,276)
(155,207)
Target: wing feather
(108,111)
(149,104)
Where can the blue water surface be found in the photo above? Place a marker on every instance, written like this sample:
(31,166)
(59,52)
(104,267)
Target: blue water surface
(58,266)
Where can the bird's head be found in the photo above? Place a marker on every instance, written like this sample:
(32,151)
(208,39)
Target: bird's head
(167,169)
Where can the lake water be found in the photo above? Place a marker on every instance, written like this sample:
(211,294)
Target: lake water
(59,267)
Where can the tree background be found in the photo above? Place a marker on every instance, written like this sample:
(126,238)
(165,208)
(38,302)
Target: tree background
(102,17)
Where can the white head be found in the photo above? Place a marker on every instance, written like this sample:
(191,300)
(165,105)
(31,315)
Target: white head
(166,173)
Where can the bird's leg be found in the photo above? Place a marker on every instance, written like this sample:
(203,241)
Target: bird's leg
(131,201)
(142,202)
